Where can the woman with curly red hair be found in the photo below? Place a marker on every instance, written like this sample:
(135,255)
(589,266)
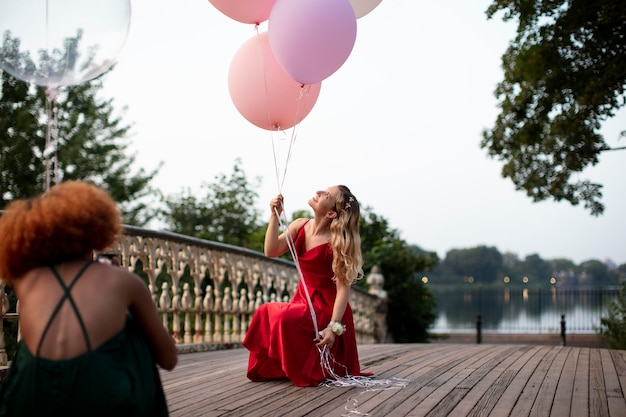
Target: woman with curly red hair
(90,333)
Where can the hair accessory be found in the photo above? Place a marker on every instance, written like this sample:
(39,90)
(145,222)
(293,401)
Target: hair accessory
(348,205)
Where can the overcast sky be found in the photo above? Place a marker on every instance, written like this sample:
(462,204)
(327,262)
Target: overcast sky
(399,123)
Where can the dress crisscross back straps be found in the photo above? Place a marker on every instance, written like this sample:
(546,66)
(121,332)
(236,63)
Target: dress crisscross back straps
(116,378)
(67,296)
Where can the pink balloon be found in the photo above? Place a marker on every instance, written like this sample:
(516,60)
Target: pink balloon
(311,39)
(245,11)
(263,92)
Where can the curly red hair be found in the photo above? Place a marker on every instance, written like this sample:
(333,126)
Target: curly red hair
(67,222)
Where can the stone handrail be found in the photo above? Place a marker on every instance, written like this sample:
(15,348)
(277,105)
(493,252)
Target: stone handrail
(206,292)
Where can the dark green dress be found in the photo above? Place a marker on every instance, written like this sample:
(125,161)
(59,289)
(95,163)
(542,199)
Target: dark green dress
(119,378)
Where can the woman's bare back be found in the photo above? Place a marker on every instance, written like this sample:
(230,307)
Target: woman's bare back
(99,297)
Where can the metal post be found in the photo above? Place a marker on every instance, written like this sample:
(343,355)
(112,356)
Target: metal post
(562,329)
(479,331)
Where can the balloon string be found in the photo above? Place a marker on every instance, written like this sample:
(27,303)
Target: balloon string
(329,364)
(283,222)
(294,135)
(292,249)
(47,57)
(51,156)
(280,179)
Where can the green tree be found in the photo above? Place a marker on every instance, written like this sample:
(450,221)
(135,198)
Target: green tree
(482,263)
(563,76)
(595,272)
(226,213)
(613,326)
(411,305)
(93,146)
(536,270)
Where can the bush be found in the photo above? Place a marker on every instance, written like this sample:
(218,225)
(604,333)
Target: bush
(613,327)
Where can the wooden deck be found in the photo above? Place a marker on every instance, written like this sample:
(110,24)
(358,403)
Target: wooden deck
(444,380)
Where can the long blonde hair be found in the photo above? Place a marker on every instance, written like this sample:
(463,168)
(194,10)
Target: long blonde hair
(345,239)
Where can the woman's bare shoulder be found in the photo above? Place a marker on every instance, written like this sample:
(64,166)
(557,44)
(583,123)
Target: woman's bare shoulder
(297,224)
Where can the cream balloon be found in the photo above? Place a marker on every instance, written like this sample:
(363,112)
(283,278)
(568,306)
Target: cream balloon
(363,7)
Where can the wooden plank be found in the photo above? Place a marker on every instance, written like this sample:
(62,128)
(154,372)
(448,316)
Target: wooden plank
(447,374)
(529,393)
(318,400)
(198,374)
(614,393)
(503,354)
(598,406)
(561,406)
(619,361)
(356,400)
(368,401)
(580,395)
(447,397)
(312,398)
(516,379)
(483,396)
(446,383)
(547,391)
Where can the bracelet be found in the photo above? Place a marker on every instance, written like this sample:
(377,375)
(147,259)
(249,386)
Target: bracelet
(336,327)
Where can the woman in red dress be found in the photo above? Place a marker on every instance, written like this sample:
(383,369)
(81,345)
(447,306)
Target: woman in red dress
(281,337)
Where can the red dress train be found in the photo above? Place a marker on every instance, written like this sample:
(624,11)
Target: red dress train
(280,336)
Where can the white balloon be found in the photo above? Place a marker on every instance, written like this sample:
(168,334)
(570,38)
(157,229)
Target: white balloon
(56,43)
(363,7)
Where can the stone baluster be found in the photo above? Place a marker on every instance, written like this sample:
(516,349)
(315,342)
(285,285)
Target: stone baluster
(176,308)
(176,271)
(217,334)
(207,303)
(153,294)
(165,304)
(227,307)
(236,317)
(243,311)
(197,336)
(265,284)
(187,305)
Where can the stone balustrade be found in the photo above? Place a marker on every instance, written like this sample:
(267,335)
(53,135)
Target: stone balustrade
(207,292)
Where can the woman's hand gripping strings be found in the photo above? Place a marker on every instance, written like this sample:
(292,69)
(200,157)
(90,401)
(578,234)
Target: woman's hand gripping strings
(335,328)
(274,244)
(276,205)
(326,338)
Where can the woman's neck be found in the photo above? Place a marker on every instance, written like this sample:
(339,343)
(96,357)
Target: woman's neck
(320,226)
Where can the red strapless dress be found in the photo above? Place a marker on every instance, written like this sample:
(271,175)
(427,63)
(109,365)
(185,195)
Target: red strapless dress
(281,335)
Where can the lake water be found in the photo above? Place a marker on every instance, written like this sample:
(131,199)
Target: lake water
(505,310)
